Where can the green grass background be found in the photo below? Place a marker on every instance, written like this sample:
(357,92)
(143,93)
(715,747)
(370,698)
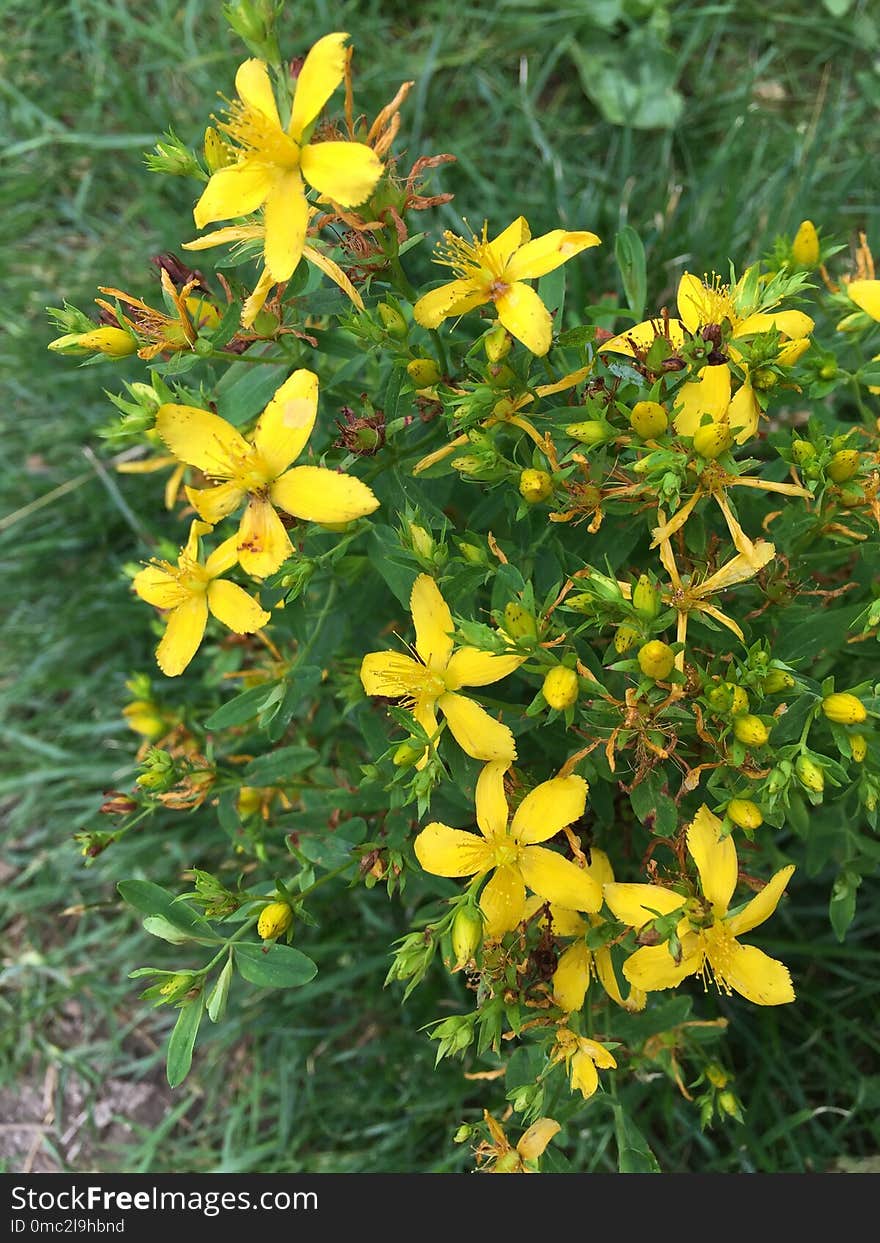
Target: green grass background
(775,112)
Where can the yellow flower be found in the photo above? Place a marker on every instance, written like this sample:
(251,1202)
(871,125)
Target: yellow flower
(500,1157)
(273,161)
(709,302)
(160,333)
(582,1057)
(707,930)
(511,851)
(257,470)
(189,591)
(578,965)
(495,272)
(431,679)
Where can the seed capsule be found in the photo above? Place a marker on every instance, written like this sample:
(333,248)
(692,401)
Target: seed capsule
(648,419)
(625,638)
(656,660)
(274,920)
(744,813)
(750,730)
(519,622)
(776,681)
(844,465)
(497,344)
(560,688)
(809,774)
(590,432)
(535,486)
(844,709)
(802,451)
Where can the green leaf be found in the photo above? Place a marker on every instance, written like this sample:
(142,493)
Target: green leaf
(219,995)
(242,708)
(392,562)
(246,389)
(183,1039)
(842,906)
(632,86)
(630,254)
(154,900)
(158,926)
(279,765)
(551,291)
(274,966)
(633,1154)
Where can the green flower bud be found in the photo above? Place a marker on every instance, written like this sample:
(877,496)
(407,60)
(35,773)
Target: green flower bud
(467,934)
(591,432)
(776,681)
(802,451)
(423,371)
(750,730)
(646,598)
(392,320)
(809,774)
(518,621)
(844,465)
(656,660)
(625,638)
(535,486)
(497,343)
(744,813)
(859,746)
(648,419)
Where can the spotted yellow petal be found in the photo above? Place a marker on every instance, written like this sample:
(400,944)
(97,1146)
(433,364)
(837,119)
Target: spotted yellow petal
(583,1075)
(525,317)
(183,634)
(335,272)
(548,808)
(263,543)
(558,880)
(235,191)
(391,674)
(653,968)
(346,172)
(763,904)
(229,233)
(475,731)
(571,979)
(287,219)
(503,901)
(490,801)
(640,338)
(317,494)
(743,414)
(253,304)
(453,298)
(202,439)
(319,77)
(213,504)
(255,89)
(715,857)
(637,905)
(285,425)
(443,851)
(232,606)
(159,588)
(710,394)
(426,716)
(754,975)
(866,296)
(468,666)
(546,253)
(792,324)
(433,623)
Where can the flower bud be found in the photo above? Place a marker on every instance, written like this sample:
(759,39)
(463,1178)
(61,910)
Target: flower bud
(249,801)
(656,660)
(422,541)
(497,343)
(744,813)
(114,342)
(473,554)
(764,378)
(560,688)
(423,372)
(646,599)
(730,1105)
(750,730)
(392,320)
(844,709)
(802,451)
(405,755)
(805,247)
(591,432)
(518,621)
(217,153)
(717,1075)
(535,486)
(501,376)
(739,702)
(809,774)
(467,934)
(712,440)
(274,920)
(844,465)
(776,681)
(859,747)
(648,419)
(625,638)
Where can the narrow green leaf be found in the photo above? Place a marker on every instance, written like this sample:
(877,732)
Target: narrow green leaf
(154,900)
(183,1039)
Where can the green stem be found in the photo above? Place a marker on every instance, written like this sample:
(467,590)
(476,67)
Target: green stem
(400,281)
(272,361)
(441,351)
(322,617)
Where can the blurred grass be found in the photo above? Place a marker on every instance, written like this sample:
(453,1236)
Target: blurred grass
(777,121)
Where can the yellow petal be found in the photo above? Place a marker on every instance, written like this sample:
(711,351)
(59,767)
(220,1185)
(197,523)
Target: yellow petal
(213,504)
(159,588)
(477,733)
(255,89)
(322,71)
(546,253)
(202,439)
(451,852)
(509,240)
(763,904)
(320,495)
(760,979)
(537,1137)
(390,674)
(263,543)
(710,394)
(346,172)
(866,296)
(490,801)
(690,299)
(183,634)
(652,968)
(583,1074)
(468,666)
(608,979)
(424,713)
(558,880)
(223,558)
(335,272)
(737,570)
(433,622)
(641,337)
(287,218)
(253,304)
(600,868)
(602,1057)
(715,857)
(287,422)
(232,606)
(454,298)
(229,233)
(743,414)
(234,191)
(525,317)
(503,901)
(548,808)
(638,904)
(571,979)
(792,324)
(565,923)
